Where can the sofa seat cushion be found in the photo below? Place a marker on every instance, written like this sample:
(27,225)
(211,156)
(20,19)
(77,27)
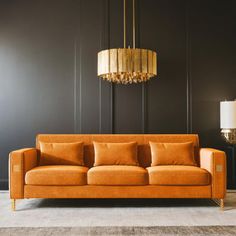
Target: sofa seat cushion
(57,175)
(117,175)
(178,175)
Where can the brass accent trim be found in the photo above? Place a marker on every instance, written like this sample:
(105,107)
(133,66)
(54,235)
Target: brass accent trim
(219,168)
(16,168)
(13,204)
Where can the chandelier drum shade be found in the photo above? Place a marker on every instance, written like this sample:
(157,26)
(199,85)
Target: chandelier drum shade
(127,65)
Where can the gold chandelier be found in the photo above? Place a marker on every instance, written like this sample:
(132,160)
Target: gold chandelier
(127,65)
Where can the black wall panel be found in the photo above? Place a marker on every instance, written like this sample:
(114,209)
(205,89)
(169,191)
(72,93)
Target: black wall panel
(48,65)
(166,95)
(213,65)
(36,73)
(89,45)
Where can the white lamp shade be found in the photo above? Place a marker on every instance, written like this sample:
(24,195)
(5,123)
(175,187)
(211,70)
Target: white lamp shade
(228,115)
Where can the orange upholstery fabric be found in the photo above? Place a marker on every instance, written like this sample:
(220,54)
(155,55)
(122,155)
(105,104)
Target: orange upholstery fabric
(20,161)
(57,175)
(94,191)
(178,175)
(115,154)
(25,160)
(172,154)
(215,162)
(117,175)
(61,153)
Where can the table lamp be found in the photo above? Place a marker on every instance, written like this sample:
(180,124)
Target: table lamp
(228,121)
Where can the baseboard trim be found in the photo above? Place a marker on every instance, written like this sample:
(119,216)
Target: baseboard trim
(231,190)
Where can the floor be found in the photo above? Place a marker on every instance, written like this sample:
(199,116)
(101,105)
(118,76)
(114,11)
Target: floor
(78,212)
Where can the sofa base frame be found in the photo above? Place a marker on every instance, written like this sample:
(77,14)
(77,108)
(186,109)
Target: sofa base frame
(97,191)
(219,202)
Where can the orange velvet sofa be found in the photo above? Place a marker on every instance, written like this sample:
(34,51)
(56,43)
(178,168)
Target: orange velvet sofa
(29,180)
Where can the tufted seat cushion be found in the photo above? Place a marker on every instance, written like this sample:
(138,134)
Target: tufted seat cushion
(117,175)
(178,175)
(57,175)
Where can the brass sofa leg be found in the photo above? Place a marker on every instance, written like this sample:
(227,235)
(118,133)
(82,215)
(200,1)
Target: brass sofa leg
(13,204)
(220,203)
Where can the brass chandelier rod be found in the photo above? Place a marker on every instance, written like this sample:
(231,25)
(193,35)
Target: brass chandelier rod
(133,24)
(124,23)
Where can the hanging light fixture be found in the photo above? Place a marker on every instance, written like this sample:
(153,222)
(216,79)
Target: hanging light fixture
(127,65)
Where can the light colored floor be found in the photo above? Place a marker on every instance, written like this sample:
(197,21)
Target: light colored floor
(75,212)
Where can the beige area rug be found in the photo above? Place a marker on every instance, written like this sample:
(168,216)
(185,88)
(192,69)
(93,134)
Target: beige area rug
(117,217)
(145,231)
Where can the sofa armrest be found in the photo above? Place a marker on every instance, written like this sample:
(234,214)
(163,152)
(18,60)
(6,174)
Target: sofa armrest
(20,161)
(214,161)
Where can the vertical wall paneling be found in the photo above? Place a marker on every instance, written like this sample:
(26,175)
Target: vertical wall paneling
(105,88)
(188,71)
(144,85)
(144,108)
(78,72)
(75,86)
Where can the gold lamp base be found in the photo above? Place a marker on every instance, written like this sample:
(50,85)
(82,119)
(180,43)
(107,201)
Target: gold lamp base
(229,135)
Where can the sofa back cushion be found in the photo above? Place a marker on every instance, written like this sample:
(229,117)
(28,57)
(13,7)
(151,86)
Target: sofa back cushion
(61,153)
(144,151)
(115,154)
(172,154)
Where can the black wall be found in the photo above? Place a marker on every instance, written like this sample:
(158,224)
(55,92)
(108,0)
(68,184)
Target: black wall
(48,63)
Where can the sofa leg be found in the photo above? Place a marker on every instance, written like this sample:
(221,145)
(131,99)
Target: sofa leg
(220,203)
(13,204)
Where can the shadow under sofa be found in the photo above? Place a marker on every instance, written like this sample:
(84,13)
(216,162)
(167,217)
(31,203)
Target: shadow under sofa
(206,180)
